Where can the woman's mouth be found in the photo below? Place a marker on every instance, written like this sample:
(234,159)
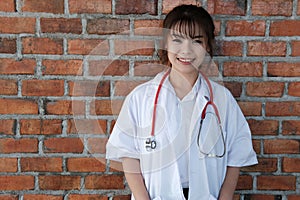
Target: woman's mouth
(185,61)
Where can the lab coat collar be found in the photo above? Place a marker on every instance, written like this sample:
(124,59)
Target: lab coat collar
(200,87)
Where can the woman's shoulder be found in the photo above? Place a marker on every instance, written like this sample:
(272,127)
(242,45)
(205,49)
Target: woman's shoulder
(150,84)
(145,89)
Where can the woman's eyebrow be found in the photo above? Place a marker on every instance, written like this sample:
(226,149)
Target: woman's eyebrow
(197,36)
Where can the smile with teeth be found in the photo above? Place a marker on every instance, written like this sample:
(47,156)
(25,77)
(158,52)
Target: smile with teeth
(185,60)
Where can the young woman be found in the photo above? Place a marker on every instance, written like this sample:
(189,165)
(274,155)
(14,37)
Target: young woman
(180,135)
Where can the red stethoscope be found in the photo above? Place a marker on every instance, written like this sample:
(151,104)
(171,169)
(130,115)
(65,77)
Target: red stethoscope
(151,142)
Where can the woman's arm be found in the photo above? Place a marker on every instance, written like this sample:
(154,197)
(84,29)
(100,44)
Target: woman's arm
(135,179)
(230,182)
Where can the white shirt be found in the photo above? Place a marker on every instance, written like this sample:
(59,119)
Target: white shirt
(160,167)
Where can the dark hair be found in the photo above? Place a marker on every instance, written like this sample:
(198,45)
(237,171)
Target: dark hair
(189,19)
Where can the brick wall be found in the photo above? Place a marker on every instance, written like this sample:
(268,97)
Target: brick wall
(66,65)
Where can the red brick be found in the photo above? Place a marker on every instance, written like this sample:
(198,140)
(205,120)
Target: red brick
(8,45)
(8,87)
(43,88)
(16,182)
(24,145)
(236,197)
(257,146)
(263,127)
(134,47)
(291,127)
(148,27)
(251,108)
(97,145)
(86,164)
(295,48)
(9,197)
(264,165)
(272,8)
(61,25)
(88,47)
(87,197)
(285,28)
(112,124)
(41,164)
(243,69)
(168,5)
(140,7)
(276,182)
(18,106)
(65,107)
(290,164)
(107,26)
(104,182)
(89,88)
(234,87)
(7,126)
(281,146)
(245,182)
(62,67)
(123,88)
(49,6)
(63,145)
(122,197)
(106,107)
(294,89)
(261,48)
(293,197)
(261,196)
(108,67)
(87,126)
(227,7)
(146,68)
(40,126)
(12,66)
(265,89)
(59,182)
(90,6)
(285,108)
(229,48)
(42,46)
(42,197)
(8,165)
(7,6)
(245,28)
(284,69)
(20,25)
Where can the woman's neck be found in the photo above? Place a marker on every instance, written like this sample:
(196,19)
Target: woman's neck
(182,83)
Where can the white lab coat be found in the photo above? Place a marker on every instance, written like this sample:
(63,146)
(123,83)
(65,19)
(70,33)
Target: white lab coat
(159,167)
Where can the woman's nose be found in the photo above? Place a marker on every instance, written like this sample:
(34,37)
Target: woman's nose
(186,47)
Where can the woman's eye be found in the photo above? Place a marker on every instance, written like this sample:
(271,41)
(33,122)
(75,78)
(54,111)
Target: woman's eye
(176,40)
(198,41)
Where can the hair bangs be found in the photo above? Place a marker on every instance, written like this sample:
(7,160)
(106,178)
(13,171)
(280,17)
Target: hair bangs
(187,27)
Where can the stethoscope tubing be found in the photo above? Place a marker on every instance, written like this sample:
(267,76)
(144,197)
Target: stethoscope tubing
(151,143)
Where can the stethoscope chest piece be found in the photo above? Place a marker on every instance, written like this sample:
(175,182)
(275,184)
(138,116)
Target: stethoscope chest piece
(150,144)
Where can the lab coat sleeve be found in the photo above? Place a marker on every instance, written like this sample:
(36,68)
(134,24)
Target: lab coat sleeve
(240,148)
(122,142)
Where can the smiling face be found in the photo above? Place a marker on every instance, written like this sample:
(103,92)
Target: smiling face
(189,21)
(186,53)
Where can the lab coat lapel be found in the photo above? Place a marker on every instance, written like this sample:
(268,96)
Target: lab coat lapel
(198,181)
(201,100)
